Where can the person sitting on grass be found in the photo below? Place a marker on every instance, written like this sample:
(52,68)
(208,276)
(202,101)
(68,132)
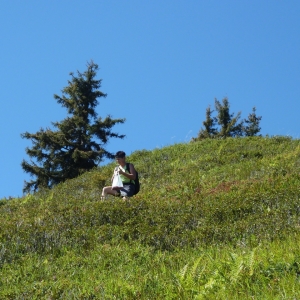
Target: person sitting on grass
(127,177)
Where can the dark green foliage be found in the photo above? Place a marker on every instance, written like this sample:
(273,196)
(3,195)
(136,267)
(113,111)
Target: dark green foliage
(209,131)
(252,124)
(229,124)
(78,144)
(230,127)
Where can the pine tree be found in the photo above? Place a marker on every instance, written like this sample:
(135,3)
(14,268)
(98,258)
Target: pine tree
(78,143)
(209,130)
(230,127)
(252,127)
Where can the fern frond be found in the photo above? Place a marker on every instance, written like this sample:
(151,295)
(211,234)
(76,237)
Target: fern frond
(251,262)
(183,272)
(238,268)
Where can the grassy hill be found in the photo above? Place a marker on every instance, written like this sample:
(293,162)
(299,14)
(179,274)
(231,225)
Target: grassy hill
(215,219)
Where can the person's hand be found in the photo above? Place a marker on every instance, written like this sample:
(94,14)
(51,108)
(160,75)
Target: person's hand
(121,171)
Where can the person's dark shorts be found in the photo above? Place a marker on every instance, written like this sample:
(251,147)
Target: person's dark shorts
(127,190)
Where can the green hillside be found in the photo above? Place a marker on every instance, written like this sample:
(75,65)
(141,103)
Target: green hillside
(215,219)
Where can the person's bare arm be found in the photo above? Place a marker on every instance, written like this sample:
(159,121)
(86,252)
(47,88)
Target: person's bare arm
(131,175)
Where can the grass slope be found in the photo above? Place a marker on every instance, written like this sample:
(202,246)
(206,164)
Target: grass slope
(215,219)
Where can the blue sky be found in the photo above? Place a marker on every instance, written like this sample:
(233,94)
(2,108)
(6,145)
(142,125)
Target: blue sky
(161,64)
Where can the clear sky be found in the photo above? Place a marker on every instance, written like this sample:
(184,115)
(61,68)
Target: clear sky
(162,62)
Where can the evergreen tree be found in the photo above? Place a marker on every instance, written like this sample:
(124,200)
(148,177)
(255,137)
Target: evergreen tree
(72,149)
(229,124)
(209,130)
(252,127)
(230,127)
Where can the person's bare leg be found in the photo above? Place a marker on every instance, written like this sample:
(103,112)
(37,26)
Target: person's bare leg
(108,191)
